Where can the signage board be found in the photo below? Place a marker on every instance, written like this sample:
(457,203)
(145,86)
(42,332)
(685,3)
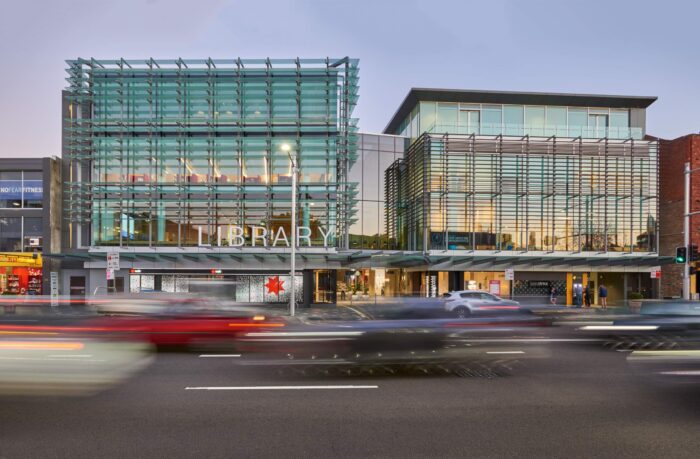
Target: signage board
(656,272)
(113,261)
(510,274)
(14,189)
(495,287)
(54,289)
(110,274)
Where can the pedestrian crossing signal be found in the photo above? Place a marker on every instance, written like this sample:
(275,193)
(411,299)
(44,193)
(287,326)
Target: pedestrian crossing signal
(681,254)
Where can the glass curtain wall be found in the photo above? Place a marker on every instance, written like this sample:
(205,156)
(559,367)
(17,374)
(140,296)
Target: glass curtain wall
(464,193)
(165,152)
(533,120)
(376,153)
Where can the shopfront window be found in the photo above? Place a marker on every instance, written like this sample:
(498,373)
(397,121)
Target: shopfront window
(10,190)
(21,189)
(33,234)
(10,234)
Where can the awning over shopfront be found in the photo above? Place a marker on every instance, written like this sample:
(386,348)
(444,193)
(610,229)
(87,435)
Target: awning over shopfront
(313,258)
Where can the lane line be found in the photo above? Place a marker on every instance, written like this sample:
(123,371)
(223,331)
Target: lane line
(219,355)
(310,334)
(505,352)
(279,387)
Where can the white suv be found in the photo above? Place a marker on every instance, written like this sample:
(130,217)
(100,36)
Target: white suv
(466,302)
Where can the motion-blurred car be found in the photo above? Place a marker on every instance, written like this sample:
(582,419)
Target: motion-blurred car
(464,303)
(186,322)
(55,363)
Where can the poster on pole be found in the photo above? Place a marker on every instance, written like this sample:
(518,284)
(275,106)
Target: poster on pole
(110,274)
(510,274)
(495,287)
(656,272)
(54,289)
(113,261)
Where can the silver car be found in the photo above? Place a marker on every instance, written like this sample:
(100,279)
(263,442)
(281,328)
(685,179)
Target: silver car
(466,302)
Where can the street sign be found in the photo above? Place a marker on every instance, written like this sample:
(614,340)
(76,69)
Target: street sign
(510,274)
(495,287)
(656,272)
(113,261)
(54,289)
(110,274)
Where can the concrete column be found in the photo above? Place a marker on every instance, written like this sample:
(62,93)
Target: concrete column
(308,287)
(456,280)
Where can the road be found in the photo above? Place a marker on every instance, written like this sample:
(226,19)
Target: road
(581,402)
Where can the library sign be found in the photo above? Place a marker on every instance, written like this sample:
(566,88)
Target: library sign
(260,236)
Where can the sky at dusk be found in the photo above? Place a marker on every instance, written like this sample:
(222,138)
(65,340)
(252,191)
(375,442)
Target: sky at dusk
(648,48)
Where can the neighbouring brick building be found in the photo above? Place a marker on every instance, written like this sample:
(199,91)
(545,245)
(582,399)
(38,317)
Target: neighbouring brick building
(673,156)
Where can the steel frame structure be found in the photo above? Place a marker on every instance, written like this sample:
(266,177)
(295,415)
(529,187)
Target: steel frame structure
(523,194)
(156,149)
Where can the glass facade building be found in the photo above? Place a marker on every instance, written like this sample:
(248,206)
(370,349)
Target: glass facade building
(560,188)
(184,167)
(459,192)
(175,153)
(565,173)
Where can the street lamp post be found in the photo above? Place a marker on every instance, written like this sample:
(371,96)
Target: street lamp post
(295,170)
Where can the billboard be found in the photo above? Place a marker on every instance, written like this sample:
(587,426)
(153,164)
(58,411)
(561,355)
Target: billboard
(14,189)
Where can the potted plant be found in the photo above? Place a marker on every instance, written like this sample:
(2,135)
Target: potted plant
(634,301)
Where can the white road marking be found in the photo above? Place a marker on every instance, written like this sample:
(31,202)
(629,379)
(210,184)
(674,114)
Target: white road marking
(219,355)
(278,387)
(505,352)
(581,322)
(309,334)
(532,340)
(620,327)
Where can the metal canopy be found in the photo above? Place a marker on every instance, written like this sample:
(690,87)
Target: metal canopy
(385,259)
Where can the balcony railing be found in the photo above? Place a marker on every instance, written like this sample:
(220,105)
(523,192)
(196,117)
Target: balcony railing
(587,132)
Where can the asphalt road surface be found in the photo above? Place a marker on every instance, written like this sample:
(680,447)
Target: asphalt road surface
(581,402)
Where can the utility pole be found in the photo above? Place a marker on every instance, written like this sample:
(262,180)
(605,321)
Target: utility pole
(686,232)
(295,171)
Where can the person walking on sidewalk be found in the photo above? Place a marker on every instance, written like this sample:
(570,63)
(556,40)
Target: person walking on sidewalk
(603,295)
(578,295)
(587,296)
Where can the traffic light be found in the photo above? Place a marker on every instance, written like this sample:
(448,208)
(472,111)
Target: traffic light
(693,253)
(681,254)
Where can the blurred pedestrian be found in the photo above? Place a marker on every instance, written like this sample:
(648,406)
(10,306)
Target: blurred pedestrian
(578,294)
(603,295)
(587,296)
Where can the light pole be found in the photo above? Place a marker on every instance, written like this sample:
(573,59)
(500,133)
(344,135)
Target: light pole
(295,170)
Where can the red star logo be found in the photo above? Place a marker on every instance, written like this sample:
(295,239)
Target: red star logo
(274,285)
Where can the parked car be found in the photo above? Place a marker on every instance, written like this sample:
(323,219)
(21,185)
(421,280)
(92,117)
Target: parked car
(466,302)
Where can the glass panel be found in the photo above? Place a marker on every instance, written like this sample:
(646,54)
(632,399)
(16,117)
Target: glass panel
(447,117)
(556,121)
(513,119)
(619,124)
(33,186)
(578,121)
(598,125)
(428,116)
(491,119)
(534,121)
(10,234)
(10,190)
(33,232)
(468,122)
